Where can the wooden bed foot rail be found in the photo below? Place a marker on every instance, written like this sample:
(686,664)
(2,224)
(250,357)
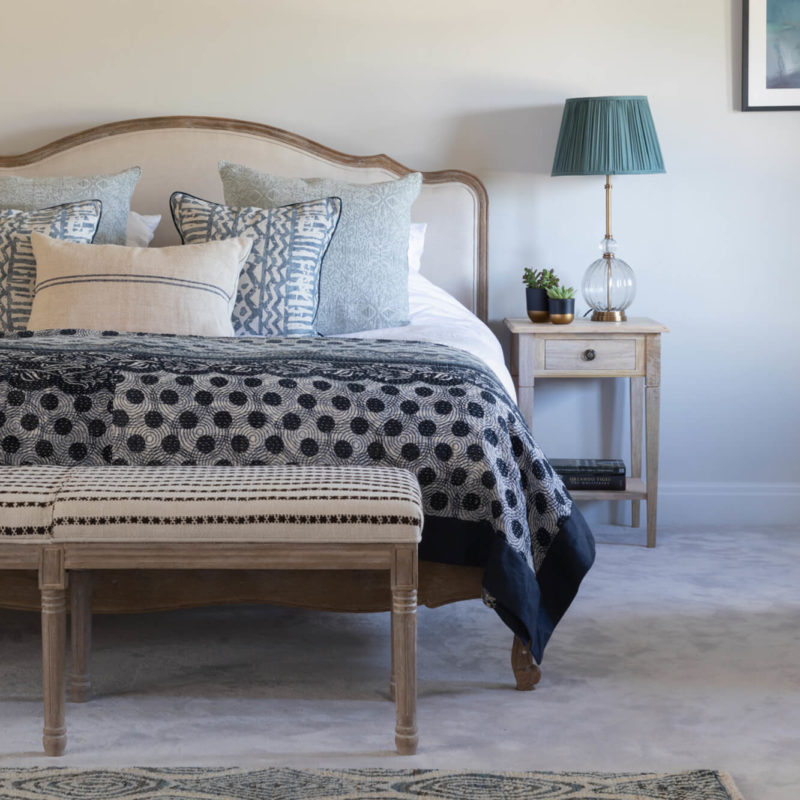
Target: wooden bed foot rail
(526,671)
(80,685)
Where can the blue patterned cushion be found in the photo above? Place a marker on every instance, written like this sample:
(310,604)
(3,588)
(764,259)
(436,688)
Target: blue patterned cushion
(113,191)
(364,284)
(74,222)
(278,287)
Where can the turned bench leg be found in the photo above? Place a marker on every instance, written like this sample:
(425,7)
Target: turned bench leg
(404,647)
(80,684)
(526,671)
(393,678)
(53,585)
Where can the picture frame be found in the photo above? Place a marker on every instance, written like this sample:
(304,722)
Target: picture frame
(770,55)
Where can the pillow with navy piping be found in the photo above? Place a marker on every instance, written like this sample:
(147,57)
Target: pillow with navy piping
(278,291)
(72,222)
(364,282)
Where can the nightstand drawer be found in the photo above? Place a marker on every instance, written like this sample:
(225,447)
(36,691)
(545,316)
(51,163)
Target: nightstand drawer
(591,355)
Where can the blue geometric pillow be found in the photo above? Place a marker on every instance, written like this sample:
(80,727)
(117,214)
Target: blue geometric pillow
(73,222)
(279,286)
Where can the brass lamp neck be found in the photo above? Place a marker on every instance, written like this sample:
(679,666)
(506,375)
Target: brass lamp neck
(608,207)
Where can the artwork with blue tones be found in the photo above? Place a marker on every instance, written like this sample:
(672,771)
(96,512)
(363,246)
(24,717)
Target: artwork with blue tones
(783,44)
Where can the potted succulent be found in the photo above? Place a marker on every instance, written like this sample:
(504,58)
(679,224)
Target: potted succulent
(561,304)
(537,282)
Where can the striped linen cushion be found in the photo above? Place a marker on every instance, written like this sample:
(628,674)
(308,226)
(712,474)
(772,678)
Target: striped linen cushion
(74,222)
(184,290)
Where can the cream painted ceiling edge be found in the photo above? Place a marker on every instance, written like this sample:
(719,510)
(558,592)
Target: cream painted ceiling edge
(182,153)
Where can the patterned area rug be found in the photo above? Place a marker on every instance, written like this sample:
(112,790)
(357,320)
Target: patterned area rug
(285,783)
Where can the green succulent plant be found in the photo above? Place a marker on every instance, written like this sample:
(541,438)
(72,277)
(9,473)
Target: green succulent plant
(539,278)
(561,293)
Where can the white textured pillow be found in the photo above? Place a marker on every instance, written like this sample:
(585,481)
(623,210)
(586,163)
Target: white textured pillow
(189,289)
(140,229)
(416,244)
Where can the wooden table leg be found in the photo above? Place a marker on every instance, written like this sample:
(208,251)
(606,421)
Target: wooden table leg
(653,411)
(652,403)
(80,684)
(525,379)
(637,407)
(53,585)
(404,647)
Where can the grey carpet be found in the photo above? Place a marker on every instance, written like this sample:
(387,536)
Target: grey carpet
(285,783)
(678,658)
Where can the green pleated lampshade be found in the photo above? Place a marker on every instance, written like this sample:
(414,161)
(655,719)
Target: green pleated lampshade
(607,136)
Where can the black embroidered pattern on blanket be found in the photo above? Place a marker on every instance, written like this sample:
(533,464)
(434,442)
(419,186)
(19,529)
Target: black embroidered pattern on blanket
(78,397)
(490,497)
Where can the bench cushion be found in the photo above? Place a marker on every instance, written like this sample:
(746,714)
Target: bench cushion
(239,504)
(27,495)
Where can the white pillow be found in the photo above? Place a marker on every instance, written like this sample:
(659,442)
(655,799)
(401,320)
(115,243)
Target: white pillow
(416,244)
(140,229)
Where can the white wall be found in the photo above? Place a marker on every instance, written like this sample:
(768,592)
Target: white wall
(479,85)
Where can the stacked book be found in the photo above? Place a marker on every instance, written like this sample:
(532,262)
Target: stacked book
(591,473)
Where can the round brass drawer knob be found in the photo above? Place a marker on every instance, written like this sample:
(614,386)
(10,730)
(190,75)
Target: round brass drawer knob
(589,355)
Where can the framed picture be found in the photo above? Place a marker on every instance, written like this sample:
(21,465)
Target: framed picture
(771,55)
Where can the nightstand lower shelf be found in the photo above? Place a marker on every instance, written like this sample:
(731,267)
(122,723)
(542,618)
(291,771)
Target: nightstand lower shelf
(635,489)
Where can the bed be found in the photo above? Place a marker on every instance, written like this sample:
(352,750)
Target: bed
(516,539)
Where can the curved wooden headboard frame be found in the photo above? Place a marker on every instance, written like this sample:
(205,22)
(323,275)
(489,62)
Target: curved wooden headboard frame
(379,161)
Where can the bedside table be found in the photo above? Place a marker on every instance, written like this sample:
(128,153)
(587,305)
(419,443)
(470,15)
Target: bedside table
(585,349)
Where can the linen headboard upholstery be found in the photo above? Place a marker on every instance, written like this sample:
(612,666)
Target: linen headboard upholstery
(181,153)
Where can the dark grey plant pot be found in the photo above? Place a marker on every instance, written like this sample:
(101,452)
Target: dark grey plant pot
(562,312)
(537,304)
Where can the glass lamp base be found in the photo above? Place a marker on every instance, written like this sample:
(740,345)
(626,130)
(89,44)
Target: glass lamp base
(608,316)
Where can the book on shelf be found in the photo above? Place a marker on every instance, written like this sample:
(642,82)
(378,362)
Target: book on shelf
(591,473)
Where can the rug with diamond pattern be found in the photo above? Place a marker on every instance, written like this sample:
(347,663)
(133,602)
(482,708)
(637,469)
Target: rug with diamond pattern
(286,783)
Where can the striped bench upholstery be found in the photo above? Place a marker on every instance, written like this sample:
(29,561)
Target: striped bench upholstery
(266,504)
(27,497)
(71,520)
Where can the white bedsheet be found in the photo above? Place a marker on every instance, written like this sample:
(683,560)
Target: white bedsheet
(436,316)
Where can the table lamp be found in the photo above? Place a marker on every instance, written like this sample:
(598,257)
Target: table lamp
(607,136)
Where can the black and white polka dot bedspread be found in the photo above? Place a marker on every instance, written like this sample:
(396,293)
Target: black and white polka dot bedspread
(491,498)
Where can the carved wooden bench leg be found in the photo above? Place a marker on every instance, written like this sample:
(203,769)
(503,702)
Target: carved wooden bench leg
(404,647)
(53,585)
(80,684)
(526,671)
(393,678)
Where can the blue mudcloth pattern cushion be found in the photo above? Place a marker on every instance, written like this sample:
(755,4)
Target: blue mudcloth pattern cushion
(364,282)
(73,222)
(113,191)
(278,290)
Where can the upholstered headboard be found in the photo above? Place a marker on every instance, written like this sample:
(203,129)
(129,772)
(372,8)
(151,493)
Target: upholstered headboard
(181,153)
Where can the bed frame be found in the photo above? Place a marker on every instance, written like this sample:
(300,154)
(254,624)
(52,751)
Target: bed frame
(181,153)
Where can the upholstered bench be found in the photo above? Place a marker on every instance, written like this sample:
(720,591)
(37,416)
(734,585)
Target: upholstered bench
(69,521)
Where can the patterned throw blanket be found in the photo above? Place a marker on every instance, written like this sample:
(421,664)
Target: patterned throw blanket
(491,498)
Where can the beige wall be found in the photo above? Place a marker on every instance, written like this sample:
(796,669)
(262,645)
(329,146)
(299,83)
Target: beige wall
(479,85)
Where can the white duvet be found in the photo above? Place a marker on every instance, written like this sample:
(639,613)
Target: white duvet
(436,316)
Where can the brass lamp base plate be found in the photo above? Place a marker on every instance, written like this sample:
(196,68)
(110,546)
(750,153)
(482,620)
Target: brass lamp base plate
(608,316)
